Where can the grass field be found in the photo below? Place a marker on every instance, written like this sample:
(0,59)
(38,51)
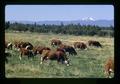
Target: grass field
(87,64)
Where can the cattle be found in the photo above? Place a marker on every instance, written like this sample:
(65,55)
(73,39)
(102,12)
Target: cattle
(24,51)
(54,55)
(80,45)
(55,42)
(39,49)
(68,49)
(109,67)
(94,43)
(8,45)
(26,45)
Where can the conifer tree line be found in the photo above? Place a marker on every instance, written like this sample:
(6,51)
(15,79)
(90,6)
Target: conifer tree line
(72,29)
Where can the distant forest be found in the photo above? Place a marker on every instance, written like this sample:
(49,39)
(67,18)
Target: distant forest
(72,29)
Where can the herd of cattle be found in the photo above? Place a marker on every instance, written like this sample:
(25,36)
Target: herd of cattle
(59,54)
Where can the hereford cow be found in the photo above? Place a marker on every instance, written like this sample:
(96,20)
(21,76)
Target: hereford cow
(109,67)
(27,52)
(26,45)
(94,43)
(68,49)
(54,55)
(8,45)
(55,42)
(80,45)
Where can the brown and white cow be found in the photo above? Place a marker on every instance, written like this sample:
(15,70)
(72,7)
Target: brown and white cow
(26,45)
(94,43)
(54,55)
(55,42)
(80,45)
(26,52)
(109,67)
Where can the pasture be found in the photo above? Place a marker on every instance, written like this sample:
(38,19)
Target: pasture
(87,64)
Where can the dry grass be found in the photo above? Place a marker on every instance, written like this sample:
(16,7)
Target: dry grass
(87,64)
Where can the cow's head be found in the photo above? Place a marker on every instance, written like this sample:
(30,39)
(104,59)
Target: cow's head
(71,50)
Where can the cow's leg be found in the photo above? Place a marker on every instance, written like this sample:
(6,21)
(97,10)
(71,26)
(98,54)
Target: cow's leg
(107,73)
(110,71)
(11,46)
(20,56)
(14,46)
(41,60)
(28,54)
(58,60)
(61,60)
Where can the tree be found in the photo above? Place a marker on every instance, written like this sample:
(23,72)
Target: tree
(7,25)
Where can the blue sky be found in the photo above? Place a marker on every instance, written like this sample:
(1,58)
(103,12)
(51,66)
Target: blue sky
(58,12)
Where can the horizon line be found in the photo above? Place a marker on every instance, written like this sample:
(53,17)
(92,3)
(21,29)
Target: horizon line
(60,20)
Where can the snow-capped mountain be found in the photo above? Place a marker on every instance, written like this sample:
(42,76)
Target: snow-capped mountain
(88,19)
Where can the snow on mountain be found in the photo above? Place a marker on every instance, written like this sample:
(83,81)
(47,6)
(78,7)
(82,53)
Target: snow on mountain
(88,19)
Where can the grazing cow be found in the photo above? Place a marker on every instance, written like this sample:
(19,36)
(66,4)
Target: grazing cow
(109,67)
(94,43)
(54,55)
(80,45)
(55,42)
(68,49)
(24,51)
(39,49)
(26,45)
(8,45)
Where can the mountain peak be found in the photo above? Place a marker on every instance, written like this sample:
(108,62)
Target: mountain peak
(88,19)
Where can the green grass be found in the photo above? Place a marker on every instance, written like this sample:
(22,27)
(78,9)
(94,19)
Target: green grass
(87,64)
